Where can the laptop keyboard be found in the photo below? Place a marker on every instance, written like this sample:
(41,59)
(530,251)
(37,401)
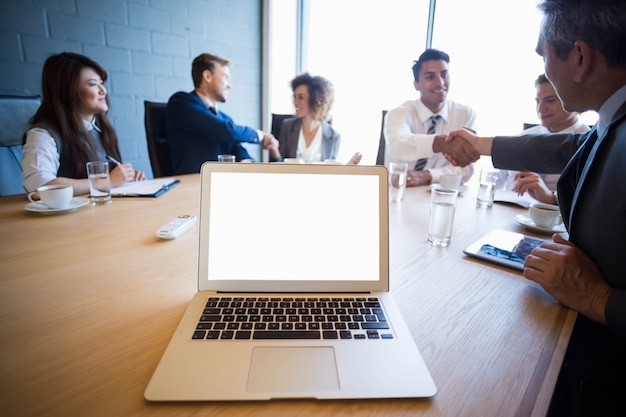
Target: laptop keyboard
(272,318)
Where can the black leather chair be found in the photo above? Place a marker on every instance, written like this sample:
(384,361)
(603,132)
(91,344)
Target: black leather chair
(156,135)
(15,112)
(380,156)
(277,121)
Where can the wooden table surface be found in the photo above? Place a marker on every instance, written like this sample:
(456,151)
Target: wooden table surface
(91,298)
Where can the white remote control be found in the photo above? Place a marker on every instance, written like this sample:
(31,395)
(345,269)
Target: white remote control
(176,227)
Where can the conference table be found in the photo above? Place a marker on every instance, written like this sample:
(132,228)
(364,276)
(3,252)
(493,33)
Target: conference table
(91,298)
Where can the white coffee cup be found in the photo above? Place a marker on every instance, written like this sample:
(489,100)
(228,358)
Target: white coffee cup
(545,215)
(53,196)
(452,181)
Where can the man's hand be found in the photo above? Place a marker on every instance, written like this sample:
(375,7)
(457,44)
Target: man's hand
(269,142)
(415,178)
(458,151)
(481,145)
(533,184)
(570,276)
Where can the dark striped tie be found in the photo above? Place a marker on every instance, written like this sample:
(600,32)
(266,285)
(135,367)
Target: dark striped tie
(421,163)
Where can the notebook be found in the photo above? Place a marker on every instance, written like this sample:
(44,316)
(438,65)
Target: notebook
(149,188)
(311,237)
(504,247)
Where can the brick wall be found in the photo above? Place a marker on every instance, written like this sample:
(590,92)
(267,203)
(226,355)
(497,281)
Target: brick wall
(146,46)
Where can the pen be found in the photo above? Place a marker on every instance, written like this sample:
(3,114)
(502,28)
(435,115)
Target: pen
(115,161)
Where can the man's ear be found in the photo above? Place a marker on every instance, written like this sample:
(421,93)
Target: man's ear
(584,59)
(206,75)
(416,85)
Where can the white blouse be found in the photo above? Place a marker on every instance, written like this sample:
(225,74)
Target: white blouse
(314,149)
(41,158)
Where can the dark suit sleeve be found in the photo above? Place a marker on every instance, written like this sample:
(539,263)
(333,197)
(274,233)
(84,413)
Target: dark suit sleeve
(539,153)
(187,114)
(196,135)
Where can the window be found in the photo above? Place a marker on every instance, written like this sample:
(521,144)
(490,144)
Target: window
(366,48)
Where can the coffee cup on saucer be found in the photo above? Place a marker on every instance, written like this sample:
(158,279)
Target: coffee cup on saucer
(53,196)
(545,215)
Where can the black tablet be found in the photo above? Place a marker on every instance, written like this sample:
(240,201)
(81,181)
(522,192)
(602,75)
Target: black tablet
(504,248)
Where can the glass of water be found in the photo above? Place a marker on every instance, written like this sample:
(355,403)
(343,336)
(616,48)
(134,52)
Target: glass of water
(397,180)
(99,182)
(487,188)
(442,207)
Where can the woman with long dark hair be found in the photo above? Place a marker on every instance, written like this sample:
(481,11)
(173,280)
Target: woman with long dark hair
(71,128)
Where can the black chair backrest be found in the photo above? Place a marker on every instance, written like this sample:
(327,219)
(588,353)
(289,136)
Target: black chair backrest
(277,121)
(380,156)
(156,135)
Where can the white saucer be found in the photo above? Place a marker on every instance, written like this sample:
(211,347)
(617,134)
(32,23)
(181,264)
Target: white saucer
(76,203)
(530,225)
(462,188)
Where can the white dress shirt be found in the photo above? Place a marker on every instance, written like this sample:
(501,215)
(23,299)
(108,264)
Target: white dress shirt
(407,141)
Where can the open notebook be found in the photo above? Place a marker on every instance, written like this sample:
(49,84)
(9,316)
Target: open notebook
(293,298)
(149,188)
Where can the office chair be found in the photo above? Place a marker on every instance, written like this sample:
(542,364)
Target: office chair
(380,156)
(156,135)
(277,121)
(15,113)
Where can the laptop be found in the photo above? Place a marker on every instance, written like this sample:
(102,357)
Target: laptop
(504,248)
(293,291)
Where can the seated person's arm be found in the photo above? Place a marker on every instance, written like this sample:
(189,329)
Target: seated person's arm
(402,144)
(40,164)
(185,113)
(535,186)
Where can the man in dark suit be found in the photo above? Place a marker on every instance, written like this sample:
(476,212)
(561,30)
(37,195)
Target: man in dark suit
(197,131)
(586,63)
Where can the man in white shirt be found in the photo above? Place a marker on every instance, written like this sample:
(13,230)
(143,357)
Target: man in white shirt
(554,119)
(412,129)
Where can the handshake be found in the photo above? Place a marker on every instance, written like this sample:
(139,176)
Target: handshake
(462,147)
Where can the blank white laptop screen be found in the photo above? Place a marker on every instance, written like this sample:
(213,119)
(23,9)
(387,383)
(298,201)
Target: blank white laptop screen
(277,231)
(277,226)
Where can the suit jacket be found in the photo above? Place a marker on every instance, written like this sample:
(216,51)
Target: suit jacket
(290,133)
(591,192)
(196,134)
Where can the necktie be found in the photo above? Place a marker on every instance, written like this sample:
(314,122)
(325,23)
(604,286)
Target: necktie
(213,110)
(421,163)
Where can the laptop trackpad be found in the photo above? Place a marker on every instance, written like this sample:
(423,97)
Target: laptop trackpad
(292,369)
